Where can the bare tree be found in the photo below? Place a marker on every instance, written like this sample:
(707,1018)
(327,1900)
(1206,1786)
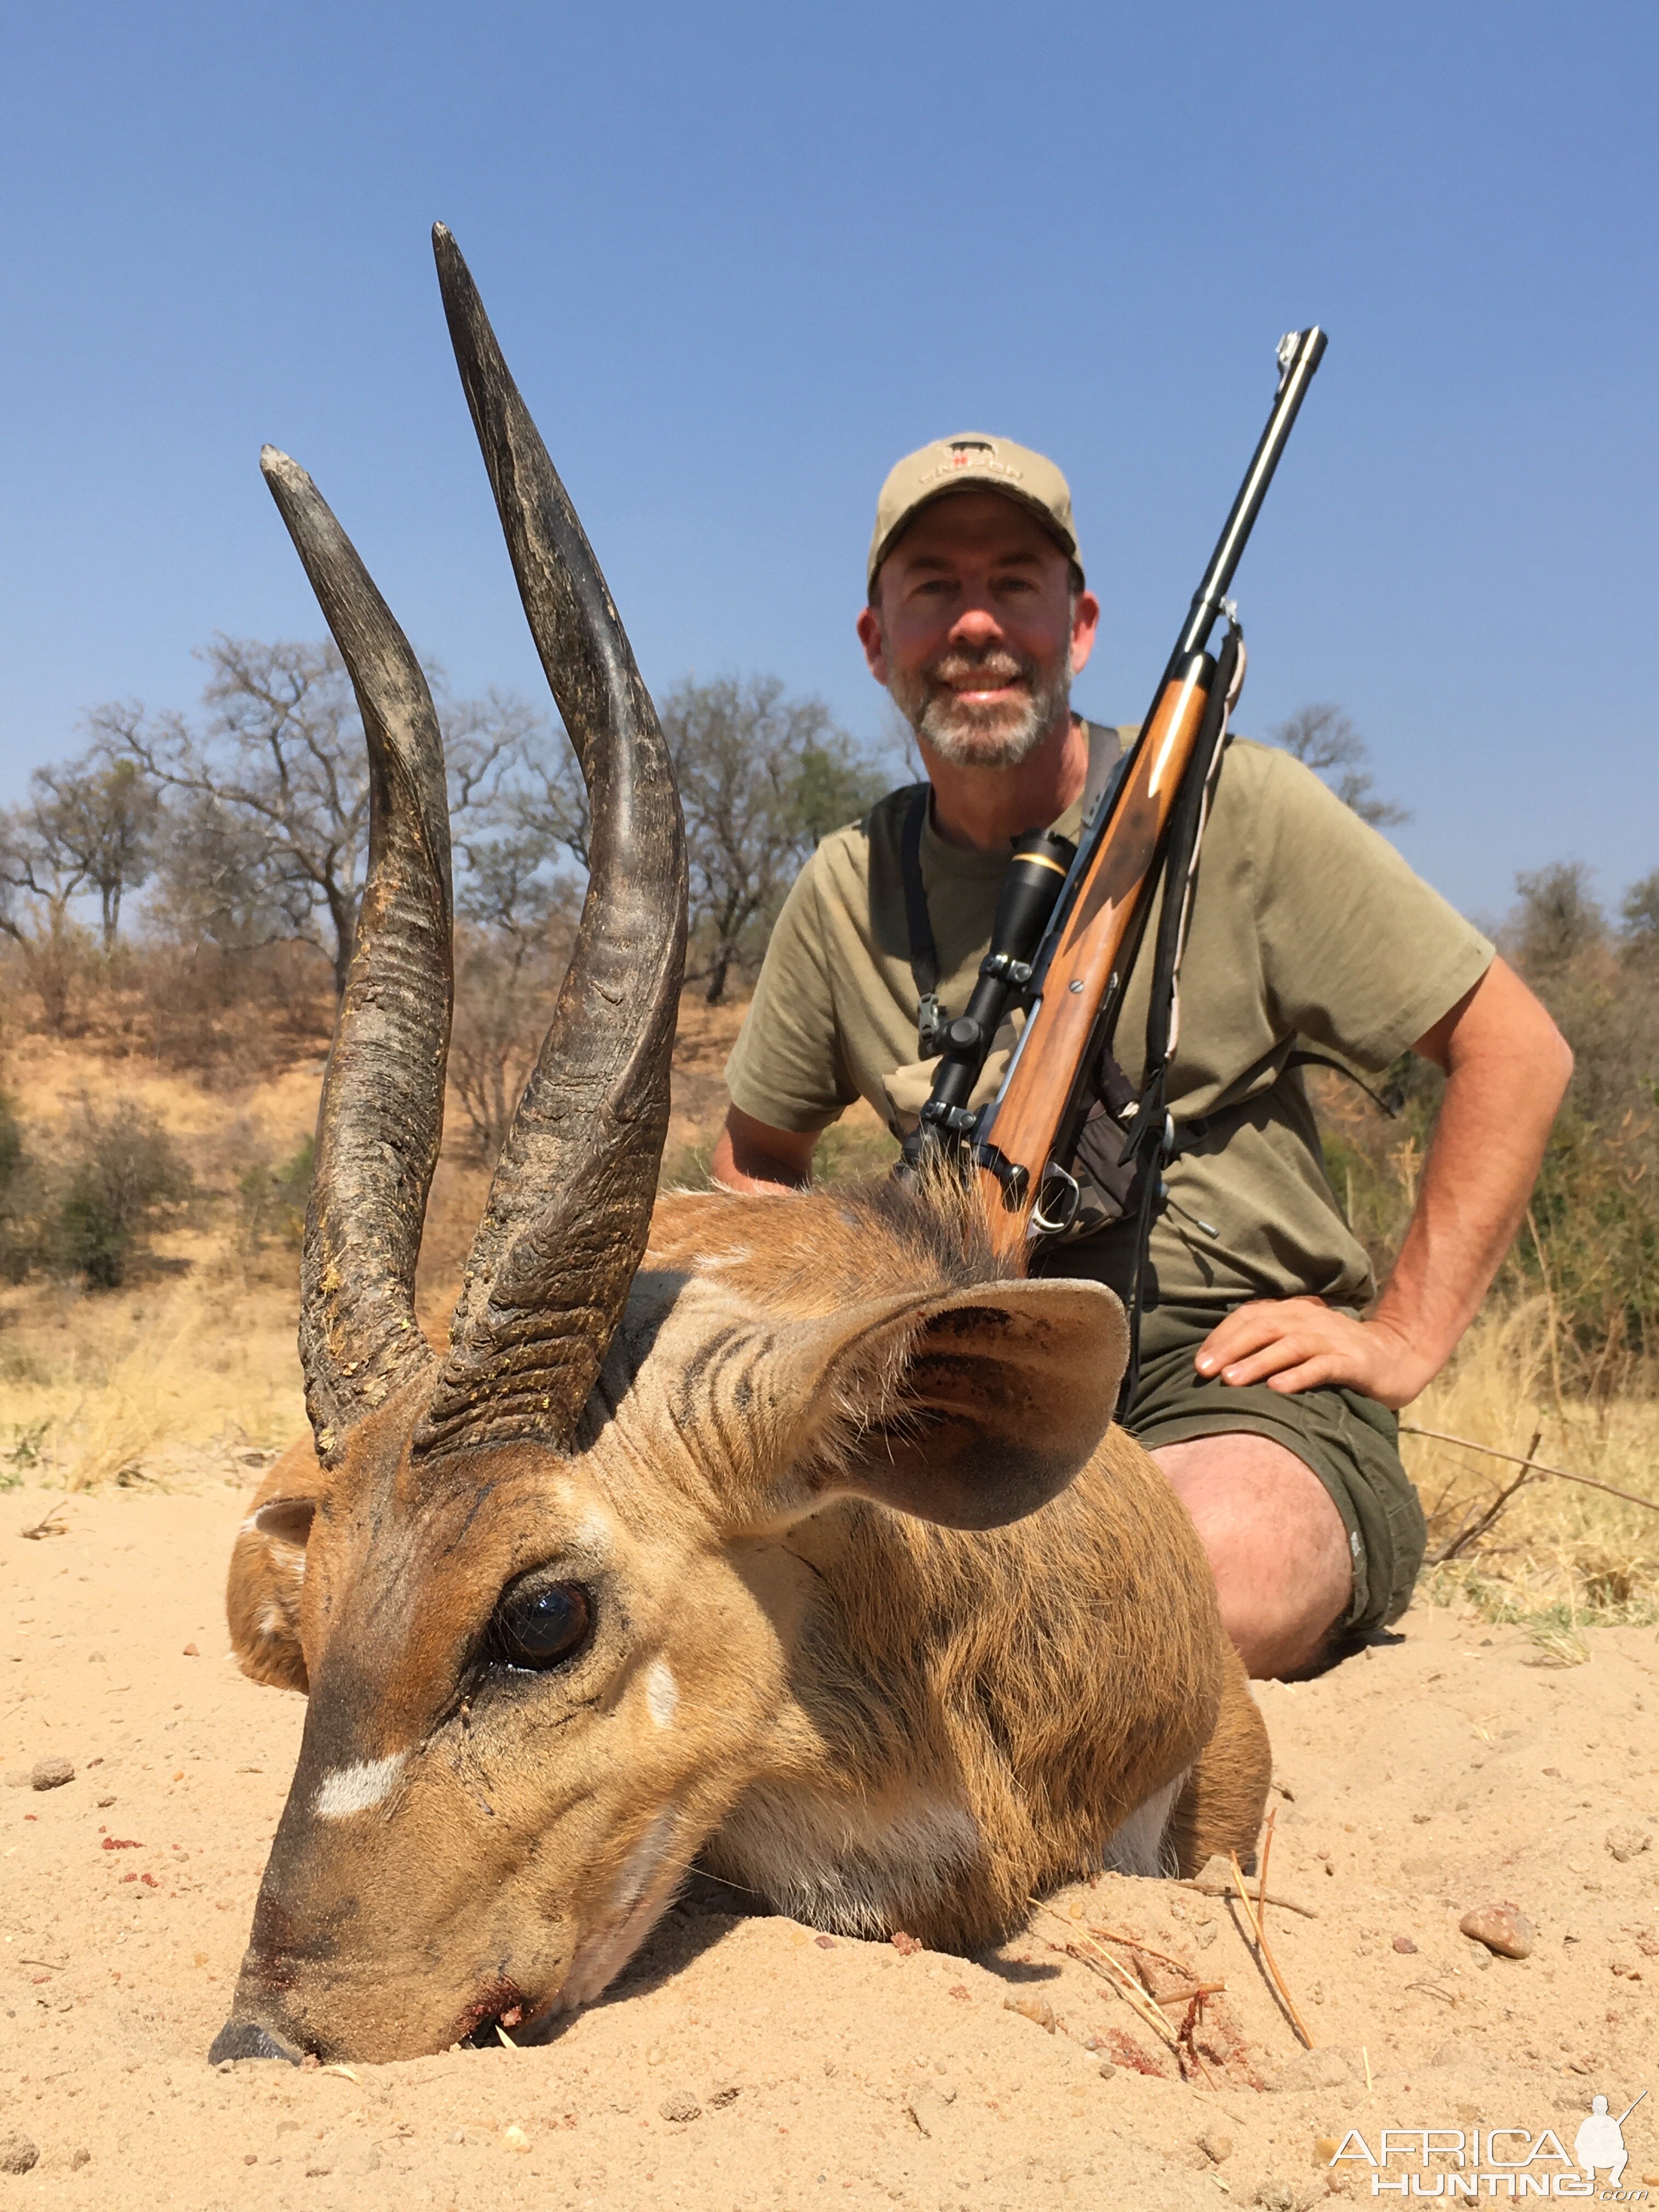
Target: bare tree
(515,917)
(1640,913)
(100,815)
(45,862)
(1324,738)
(268,801)
(761,779)
(1558,918)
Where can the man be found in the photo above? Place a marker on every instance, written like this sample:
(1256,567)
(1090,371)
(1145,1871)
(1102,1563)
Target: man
(1269,1379)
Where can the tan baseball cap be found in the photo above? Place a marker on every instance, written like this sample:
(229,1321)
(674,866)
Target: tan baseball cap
(953,465)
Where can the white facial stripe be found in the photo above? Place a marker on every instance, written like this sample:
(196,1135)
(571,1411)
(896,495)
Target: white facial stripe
(358,1789)
(662,1693)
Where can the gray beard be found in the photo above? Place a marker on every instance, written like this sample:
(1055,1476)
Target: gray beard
(979,737)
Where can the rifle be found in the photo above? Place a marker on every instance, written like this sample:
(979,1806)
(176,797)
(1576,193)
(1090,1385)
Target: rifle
(1069,920)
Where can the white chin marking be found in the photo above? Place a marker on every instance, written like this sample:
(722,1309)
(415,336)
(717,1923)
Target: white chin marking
(358,1789)
(662,1693)
(643,1888)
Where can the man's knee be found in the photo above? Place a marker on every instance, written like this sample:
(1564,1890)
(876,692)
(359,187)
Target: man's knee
(1276,1542)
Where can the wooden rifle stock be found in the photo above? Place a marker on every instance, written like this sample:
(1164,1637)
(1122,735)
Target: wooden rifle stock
(1095,941)
(1078,973)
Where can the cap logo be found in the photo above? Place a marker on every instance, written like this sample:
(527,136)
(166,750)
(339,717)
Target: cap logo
(977,453)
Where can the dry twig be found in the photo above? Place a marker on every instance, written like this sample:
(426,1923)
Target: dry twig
(1475,1525)
(1536,1465)
(1208,1885)
(1270,1965)
(1101,1961)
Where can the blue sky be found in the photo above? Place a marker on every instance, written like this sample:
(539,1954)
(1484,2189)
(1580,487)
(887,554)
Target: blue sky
(742,257)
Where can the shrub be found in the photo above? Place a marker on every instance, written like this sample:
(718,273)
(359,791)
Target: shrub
(124,1174)
(270,1202)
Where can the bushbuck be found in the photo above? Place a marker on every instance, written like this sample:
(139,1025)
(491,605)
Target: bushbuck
(786,1536)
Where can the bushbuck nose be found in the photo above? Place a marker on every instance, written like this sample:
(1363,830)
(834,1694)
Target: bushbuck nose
(246,2038)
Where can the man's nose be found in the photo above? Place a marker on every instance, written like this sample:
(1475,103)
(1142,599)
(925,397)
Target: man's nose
(977,625)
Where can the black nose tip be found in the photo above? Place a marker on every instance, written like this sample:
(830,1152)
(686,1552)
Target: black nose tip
(246,2038)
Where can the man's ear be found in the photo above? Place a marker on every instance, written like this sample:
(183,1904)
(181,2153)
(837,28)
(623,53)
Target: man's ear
(972,1410)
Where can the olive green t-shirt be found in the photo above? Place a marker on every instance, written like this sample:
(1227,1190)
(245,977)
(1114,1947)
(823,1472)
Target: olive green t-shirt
(1308,928)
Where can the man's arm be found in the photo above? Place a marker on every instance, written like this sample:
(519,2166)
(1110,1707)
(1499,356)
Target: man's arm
(750,1155)
(1506,1067)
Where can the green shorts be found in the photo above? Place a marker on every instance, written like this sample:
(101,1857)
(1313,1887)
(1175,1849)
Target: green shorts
(1350,1442)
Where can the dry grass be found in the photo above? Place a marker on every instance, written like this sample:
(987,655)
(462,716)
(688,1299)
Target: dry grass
(1557,1556)
(165,1385)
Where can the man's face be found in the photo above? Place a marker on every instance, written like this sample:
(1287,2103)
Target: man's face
(976,631)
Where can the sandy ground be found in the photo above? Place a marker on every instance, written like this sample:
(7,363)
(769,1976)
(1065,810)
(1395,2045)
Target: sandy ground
(1441,1769)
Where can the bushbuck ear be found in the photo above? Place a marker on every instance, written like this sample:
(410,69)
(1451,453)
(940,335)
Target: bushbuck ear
(262,1596)
(286,1520)
(974,1409)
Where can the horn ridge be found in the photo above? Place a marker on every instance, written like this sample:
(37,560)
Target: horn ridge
(569,1211)
(379,1121)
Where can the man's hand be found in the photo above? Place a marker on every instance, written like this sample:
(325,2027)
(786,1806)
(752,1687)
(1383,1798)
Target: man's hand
(1303,1344)
(1506,1067)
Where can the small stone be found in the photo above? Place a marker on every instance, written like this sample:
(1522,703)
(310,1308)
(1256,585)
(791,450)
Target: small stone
(721,2098)
(1503,1927)
(906,1946)
(18,2154)
(79,2158)
(1404,1943)
(1275,2195)
(681,2107)
(104,1804)
(1215,2147)
(250,2158)
(1107,2070)
(1204,1934)
(1325,2150)
(1032,2008)
(514,2138)
(190,1652)
(52,1773)
(1623,1842)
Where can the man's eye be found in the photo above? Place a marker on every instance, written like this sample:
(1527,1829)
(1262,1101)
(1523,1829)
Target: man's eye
(540,1625)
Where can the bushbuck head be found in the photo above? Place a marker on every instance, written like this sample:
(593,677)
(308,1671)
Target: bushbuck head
(539,1587)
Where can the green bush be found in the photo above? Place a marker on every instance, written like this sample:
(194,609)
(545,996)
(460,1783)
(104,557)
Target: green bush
(124,1176)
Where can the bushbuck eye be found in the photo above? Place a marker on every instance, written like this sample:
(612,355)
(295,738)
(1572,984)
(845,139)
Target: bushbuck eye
(540,1624)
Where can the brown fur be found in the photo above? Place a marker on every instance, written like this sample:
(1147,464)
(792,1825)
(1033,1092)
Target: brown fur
(872,1720)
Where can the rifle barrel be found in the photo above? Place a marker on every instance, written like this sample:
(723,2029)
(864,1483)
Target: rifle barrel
(1299,356)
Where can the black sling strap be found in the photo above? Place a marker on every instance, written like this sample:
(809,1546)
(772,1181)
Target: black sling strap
(931,1017)
(1106,756)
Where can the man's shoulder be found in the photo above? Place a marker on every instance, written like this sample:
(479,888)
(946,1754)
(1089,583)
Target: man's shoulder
(845,854)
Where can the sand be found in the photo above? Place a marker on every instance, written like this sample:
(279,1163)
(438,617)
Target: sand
(742,2061)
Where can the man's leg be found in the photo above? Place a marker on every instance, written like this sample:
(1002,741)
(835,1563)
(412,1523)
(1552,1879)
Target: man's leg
(1278,1548)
